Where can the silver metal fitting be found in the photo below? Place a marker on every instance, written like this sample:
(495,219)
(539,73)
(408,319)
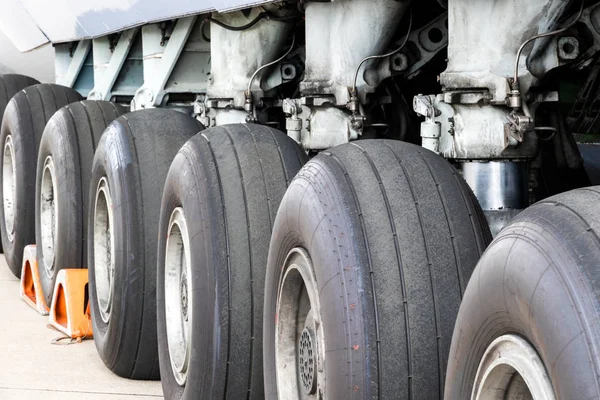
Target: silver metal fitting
(513,100)
(423,105)
(517,126)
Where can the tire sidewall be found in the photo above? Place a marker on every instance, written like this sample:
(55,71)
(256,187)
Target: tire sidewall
(327,232)
(528,283)
(59,144)
(113,161)
(186,187)
(10,125)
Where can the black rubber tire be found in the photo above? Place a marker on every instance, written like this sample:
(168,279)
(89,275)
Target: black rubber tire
(134,155)
(229,181)
(394,233)
(24,120)
(591,161)
(539,279)
(11,84)
(70,139)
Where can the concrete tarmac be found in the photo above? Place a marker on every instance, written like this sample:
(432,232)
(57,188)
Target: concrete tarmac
(31,368)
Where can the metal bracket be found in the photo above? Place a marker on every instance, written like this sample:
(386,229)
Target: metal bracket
(159,61)
(108,63)
(423,105)
(424,42)
(67,66)
(430,40)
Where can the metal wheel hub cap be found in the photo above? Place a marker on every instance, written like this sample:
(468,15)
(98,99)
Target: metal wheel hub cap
(511,369)
(299,340)
(9,187)
(306,361)
(104,260)
(178,295)
(48,214)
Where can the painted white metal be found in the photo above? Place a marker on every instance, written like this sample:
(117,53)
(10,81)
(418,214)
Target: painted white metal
(236,55)
(104,247)
(49,216)
(511,369)
(9,187)
(159,61)
(479,115)
(67,67)
(318,126)
(299,311)
(28,21)
(338,36)
(473,62)
(20,28)
(108,64)
(235,58)
(178,295)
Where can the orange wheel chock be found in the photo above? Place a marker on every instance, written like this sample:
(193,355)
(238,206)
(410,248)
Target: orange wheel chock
(70,310)
(31,286)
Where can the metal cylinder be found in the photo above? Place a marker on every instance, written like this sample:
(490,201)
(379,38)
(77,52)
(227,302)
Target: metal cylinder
(502,189)
(430,135)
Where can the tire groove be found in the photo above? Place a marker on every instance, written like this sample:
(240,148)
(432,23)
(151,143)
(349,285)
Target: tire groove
(106,120)
(55,108)
(41,101)
(397,251)
(87,115)
(452,236)
(6,99)
(139,341)
(581,219)
(287,181)
(262,172)
(227,244)
(370,264)
(429,265)
(83,212)
(250,260)
(480,246)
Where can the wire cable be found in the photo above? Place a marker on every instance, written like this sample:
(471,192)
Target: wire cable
(271,63)
(384,55)
(250,24)
(239,28)
(542,35)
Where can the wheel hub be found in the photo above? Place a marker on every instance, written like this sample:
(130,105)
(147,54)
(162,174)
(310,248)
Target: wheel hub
(9,187)
(178,295)
(104,267)
(306,361)
(48,214)
(184,297)
(299,338)
(511,369)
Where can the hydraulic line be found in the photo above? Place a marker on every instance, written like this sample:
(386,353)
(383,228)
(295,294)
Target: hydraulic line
(542,35)
(251,23)
(249,106)
(391,53)
(271,63)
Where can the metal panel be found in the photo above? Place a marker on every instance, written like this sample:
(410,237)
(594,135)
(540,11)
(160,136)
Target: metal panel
(230,5)
(70,20)
(20,28)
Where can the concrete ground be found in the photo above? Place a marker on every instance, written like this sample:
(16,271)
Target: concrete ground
(32,368)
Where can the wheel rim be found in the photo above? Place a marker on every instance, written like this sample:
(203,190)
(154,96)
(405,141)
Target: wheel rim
(511,369)
(48,214)
(104,267)
(9,187)
(299,343)
(178,295)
